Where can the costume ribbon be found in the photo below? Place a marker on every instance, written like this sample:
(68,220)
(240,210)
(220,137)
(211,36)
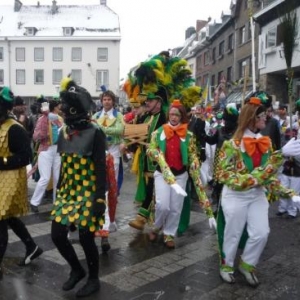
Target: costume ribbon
(262,143)
(180,130)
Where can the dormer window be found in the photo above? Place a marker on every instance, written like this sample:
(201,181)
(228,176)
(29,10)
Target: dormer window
(68,31)
(30,31)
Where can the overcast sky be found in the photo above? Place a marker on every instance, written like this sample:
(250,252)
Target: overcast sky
(150,26)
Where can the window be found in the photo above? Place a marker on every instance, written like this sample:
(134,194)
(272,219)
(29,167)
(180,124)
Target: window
(1,76)
(38,76)
(57,54)
(57,76)
(206,58)
(221,48)
(68,31)
(213,55)
(271,37)
(249,30)
(102,78)
(20,54)
(199,62)
(76,54)
(38,54)
(230,42)
(242,35)
(20,76)
(213,80)
(229,74)
(220,75)
(30,31)
(1,53)
(102,54)
(76,76)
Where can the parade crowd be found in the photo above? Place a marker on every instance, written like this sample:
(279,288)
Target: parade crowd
(233,159)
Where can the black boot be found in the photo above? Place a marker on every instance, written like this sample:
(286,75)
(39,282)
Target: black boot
(30,256)
(105,246)
(92,286)
(75,277)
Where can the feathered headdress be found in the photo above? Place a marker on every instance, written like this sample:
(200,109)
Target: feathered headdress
(164,73)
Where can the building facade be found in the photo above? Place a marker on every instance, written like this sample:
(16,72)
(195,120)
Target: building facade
(39,45)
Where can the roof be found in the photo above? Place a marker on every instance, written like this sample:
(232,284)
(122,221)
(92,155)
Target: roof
(87,20)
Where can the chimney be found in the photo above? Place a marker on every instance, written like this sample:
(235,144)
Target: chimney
(103,2)
(18,5)
(54,7)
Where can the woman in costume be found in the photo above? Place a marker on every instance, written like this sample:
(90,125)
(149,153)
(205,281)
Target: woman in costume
(15,155)
(173,148)
(80,198)
(247,168)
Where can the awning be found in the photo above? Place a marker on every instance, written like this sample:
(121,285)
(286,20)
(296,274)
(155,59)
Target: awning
(236,97)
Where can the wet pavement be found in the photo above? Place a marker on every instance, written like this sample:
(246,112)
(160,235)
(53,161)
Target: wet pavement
(135,269)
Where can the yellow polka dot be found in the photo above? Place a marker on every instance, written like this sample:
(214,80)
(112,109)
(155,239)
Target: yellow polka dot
(70,208)
(78,188)
(72,192)
(69,159)
(88,204)
(71,219)
(76,166)
(92,167)
(92,228)
(87,193)
(77,206)
(76,216)
(84,172)
(70,171)
(79,198)
(58,219)
(93,177)
(53,212)
(94,219)
(94,188)
(101,222)
(83,223)
(86,213)
(65,211)
(56,202)
(83,161)
(77,177)
(85,183)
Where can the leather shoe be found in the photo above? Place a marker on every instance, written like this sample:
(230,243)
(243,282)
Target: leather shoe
(138,223)
(34,208)
(92,286)
(75,277)
(31,255)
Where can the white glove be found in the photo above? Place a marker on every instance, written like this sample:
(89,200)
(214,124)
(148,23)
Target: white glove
(212,223)
(291,148)
(296,199)
(178,189)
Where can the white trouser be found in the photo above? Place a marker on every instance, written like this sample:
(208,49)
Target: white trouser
(240,208)
(48,163)
(168,204)
(286,204)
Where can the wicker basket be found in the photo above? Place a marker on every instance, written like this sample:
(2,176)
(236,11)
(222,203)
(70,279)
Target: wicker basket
(136,133)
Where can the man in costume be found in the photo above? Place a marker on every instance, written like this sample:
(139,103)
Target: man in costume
(156,118)
(248,168)
(15,154)
(111,123)
(161,78)
(81,195)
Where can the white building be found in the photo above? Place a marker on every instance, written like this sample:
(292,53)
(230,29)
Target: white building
(41,44)
(271,59)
